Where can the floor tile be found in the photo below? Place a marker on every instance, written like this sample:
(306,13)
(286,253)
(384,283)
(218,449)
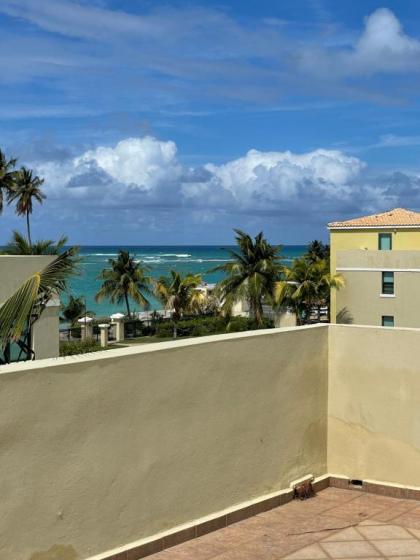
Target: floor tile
(407,520)
(313,551)
(398,547)
(373,532)
(349,549)
(349,534)
(337,524)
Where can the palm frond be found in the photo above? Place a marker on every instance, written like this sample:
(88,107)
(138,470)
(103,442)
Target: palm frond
(25,306)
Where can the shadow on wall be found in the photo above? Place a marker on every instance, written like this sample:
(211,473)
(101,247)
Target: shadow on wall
(344,317)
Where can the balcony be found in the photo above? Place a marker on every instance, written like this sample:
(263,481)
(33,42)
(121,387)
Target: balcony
(188,449)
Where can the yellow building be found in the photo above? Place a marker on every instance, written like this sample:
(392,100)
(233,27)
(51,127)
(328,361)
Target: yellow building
(379,257)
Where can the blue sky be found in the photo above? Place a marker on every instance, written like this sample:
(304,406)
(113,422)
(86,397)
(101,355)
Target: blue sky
(173,122)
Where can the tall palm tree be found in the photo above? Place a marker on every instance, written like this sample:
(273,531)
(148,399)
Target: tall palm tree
(25,306)
(305,285)
(27,188)
(317,251)
(73,310)
(179,294)
(19,245)
(252,273)
(125,279)
(7,177)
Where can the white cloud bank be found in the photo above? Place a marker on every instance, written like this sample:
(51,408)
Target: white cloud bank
(141,187)
(139,173)
(146,171)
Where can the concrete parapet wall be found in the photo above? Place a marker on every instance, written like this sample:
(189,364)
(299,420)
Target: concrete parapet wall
(105,449)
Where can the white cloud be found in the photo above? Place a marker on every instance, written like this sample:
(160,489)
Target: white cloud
(145,172)
(140,185)
(144,162)
(267,179)
(382,47)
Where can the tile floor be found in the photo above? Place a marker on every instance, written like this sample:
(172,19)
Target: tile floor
(335,524)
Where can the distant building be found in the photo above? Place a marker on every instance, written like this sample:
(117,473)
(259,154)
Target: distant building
(44,338)
(379,257)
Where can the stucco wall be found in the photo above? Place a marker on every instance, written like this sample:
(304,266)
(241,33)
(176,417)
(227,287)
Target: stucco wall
(361,295)
(101,450)
(14,270)
(362,240)
(374,404)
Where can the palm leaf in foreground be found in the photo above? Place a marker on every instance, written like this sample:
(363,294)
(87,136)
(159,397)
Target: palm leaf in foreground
(25,306)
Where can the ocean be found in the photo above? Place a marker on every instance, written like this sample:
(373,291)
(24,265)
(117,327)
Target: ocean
(194,259)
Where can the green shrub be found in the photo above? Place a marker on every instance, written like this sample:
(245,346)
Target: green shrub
(202,326)
(239,324)
(79,347)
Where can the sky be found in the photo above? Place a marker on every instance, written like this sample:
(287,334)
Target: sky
(174,122)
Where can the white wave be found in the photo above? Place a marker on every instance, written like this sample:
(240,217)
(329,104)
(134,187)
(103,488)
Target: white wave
(100,254)
(177,255)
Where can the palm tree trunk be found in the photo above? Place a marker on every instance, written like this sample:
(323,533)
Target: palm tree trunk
(28,227)
(127,304)
(258,312)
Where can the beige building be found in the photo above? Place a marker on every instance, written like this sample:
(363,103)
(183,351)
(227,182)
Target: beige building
(44,338)
(379,257)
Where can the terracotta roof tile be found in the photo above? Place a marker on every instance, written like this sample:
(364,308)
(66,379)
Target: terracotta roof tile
(397,217)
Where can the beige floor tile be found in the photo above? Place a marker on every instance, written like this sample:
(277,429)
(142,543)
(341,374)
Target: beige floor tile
(400,547)
(374,532)
(407,520)
(415,532)
(349,534)
(310,552)
(350,549)
(404,558)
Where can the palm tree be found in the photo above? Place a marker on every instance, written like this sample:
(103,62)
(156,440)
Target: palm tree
(252,273)
(26,189)
(19,313)
(124,280)
(179,294)
(305,285)
(317,251)
(19,245)
(7,177)
(73,310)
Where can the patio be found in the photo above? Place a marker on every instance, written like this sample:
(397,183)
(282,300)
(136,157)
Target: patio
(336,523)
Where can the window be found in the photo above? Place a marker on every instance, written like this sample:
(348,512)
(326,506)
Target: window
(387,320)
(385,241)
(387,283)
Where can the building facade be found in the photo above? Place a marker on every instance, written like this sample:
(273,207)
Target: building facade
(43,340)
(379,257)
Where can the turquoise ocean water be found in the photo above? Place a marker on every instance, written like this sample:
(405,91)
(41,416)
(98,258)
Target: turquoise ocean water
(161,259)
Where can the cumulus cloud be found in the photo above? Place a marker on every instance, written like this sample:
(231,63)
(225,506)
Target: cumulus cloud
(140,173)
(146,171)
(382,47)
(141,184)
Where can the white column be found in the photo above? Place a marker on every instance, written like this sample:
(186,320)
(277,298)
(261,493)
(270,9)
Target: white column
(87,327)
(118,320)
(104,328)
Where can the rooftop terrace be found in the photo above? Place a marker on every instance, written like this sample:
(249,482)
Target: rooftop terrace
(336,523)
(129,452)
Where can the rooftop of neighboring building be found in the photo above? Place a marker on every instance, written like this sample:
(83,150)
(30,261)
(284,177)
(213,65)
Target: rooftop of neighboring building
(398,217)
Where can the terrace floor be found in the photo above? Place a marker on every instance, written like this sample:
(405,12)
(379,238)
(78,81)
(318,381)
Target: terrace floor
(335,524)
